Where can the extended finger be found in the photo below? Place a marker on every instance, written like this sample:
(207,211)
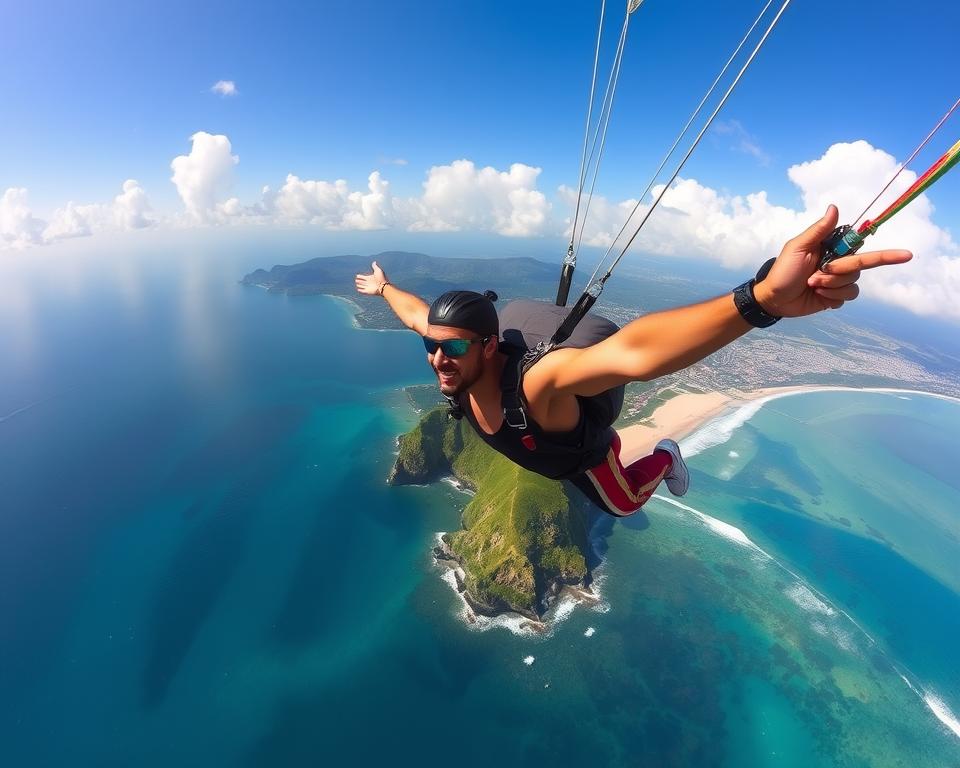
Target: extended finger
(847,293)
(868,260)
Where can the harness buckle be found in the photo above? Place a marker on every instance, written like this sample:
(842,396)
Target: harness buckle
(518,420)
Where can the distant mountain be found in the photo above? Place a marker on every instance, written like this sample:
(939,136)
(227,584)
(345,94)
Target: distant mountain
(830,348)
(426,276)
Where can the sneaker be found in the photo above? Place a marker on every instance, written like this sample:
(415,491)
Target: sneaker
(678,478)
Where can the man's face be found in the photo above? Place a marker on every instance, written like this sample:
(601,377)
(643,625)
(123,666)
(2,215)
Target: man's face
(456,374)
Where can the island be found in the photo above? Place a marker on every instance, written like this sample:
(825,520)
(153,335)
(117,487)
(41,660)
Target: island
(524,537)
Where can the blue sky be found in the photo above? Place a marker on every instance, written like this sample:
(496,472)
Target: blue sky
(94,93)
(97,93)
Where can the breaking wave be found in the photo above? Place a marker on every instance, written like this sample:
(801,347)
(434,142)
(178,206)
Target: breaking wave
(807,597)
(719,430)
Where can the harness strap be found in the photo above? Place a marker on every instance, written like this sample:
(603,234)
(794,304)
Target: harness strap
(511,384)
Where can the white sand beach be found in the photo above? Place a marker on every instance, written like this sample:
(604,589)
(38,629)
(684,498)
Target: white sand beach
(683,414)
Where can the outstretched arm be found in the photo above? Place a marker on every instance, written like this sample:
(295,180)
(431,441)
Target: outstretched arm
(665,342)
(412,310)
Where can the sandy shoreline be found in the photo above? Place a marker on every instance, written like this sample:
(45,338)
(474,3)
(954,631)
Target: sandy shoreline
(684,414)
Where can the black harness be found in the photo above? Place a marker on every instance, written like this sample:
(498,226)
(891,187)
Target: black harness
(511,383)
(557,455)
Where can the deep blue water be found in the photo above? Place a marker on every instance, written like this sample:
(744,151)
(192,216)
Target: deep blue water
(201,563)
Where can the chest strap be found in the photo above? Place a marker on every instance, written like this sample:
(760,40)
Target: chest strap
(511,385)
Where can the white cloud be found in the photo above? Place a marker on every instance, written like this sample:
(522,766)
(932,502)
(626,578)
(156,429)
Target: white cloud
(330,204)
(203,175)
(19,228)
(603,217)
(738,231)
(456,197)
(225,88)
(741,231)
(75,220)
(131,208)
(460,196)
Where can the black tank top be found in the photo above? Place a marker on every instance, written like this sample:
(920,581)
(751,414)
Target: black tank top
(557,455)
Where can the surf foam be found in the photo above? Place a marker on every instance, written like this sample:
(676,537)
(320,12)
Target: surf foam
(719,430)
(513,622)
(802,596)
(719,527)
(942,712)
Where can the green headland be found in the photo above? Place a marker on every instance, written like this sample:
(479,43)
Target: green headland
(524,537)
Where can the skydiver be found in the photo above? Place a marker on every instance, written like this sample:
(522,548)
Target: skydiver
(461,334)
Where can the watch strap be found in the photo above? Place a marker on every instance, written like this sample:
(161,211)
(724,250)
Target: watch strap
(747,304)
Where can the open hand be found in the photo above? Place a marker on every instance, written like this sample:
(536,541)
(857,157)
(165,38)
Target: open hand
(371,284)
(796,286)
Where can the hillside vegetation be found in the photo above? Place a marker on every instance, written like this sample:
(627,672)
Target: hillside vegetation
(523,538)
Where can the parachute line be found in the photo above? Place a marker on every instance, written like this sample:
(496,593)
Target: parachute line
(908,161)
(586,129)
(595,287)
(700,136)
(605,118)
(680,136)
(587,164)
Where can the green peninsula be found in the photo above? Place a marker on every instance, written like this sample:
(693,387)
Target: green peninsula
(524,537)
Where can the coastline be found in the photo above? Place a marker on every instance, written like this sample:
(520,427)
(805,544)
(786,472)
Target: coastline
(352,307)
(685,414)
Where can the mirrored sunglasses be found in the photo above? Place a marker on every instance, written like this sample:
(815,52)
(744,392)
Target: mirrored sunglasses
(451,347)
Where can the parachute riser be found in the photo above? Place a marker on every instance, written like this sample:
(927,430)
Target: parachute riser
(587,299)
(566,277)
(583,305)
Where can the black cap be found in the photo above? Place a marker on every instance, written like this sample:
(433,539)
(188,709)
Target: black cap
(466,309)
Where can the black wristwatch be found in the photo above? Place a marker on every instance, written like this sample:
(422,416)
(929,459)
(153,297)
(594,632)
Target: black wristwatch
(747,305)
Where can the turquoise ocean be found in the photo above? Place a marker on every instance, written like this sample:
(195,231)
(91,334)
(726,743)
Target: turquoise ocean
(201,562)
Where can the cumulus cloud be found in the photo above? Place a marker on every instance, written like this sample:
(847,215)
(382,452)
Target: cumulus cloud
(203,175)
(75,220)
(740,231)
(131,208)
(694,220)
(461,196)
(225,88)
(19,228)
(330,204)
(456,197)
